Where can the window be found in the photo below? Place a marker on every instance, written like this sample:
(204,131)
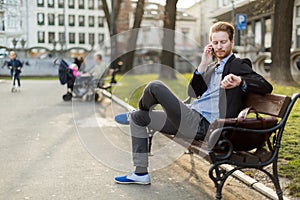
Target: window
(91,39)
(81,4)
(81,38)
(100,21)
(12,22)
(40,19)
(61,3)
(61,20)
(71,4)
(2,22)
(220,3)
(71,20)
(51,3)
(297,11)
(268,33)
(41,37)
(100,38)
(72,38)
(51,37)
(51,18)
(40,3)
(298,37)
(61,37)
(81,20)
(258,33)
(91,4)
(226,2)
(91,21)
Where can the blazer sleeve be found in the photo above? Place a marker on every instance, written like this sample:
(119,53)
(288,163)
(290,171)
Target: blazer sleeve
(197,85)
(254,82)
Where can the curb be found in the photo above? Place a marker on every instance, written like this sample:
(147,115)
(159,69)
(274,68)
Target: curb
(256,185)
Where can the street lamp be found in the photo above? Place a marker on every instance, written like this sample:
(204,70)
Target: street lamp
(61,42)
(92,43)
(54,44)
(23,42)
(14,42)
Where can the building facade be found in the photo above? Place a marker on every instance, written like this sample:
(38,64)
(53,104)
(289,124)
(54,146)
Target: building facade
(149,43)
(53,24)
(66,23)
(254,36)
(259,16)
(12,22)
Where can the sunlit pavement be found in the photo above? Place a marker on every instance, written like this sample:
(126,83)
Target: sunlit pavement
(50,150)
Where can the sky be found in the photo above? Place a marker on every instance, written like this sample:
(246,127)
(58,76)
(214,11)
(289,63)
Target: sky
(180,3)
(185,3)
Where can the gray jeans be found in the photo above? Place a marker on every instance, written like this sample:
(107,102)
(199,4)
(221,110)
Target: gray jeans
(176,118)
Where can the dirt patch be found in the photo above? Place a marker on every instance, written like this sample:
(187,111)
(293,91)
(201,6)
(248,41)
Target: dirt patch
(263,178)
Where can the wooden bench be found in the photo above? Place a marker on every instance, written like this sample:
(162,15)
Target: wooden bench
(219,152)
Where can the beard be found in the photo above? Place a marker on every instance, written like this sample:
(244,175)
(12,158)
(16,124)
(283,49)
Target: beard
(220,54)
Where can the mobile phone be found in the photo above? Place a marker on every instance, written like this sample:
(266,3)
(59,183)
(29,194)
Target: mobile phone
(212,51)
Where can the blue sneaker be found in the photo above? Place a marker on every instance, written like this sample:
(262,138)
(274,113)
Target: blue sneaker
(123,118)
(133,179)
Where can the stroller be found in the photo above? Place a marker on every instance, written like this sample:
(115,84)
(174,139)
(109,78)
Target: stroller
(80,87)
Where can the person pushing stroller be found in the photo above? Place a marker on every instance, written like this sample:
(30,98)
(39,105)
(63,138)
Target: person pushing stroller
(81,83)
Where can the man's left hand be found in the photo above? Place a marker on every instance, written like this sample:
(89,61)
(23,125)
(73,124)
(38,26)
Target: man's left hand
(231,81)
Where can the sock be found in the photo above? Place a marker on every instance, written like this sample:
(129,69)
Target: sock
(140,171)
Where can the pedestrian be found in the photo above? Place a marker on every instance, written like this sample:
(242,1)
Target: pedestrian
(219,87)
(99,68)
(79,61)
(15,66)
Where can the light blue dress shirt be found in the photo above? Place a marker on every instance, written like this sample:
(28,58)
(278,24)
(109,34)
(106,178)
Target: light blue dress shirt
(208,104)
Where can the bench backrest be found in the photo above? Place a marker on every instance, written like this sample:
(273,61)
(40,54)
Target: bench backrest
(271,104)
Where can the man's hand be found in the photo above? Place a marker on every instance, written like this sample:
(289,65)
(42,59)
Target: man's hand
(207,58)
(231,81)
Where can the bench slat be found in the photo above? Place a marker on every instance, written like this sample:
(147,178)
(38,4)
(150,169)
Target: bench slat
(271,104)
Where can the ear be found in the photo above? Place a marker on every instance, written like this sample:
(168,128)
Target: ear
(232,42)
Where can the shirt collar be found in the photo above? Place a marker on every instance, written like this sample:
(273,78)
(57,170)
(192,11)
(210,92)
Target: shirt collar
(224,60)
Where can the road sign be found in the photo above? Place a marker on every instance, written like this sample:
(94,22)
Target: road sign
(241,22)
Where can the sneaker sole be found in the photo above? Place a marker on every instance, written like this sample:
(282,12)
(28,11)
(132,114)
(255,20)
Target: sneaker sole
(138,183)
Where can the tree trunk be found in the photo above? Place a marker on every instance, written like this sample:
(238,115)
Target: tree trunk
(167,56)
(281,43)
(111,19)
(131,46)
(108,15)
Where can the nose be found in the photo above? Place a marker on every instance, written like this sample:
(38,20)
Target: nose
(219,45)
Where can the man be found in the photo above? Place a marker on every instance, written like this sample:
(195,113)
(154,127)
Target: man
(15,66)
(97,71)
(219,88)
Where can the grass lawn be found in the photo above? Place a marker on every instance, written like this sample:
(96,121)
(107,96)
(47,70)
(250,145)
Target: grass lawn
(289,163)
(130,88)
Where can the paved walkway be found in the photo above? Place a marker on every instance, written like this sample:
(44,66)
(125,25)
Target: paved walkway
(52,149)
